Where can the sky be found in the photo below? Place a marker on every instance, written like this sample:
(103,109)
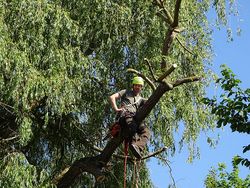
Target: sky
(236,55)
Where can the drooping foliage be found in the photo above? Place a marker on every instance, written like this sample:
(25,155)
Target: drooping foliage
(60,60)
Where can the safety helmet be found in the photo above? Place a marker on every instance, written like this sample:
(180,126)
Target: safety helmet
(138,80)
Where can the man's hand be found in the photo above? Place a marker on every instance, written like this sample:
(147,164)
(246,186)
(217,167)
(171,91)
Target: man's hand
(112,100)
(119,110)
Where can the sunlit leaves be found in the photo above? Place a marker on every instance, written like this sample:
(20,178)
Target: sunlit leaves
(233,106)
(221,178)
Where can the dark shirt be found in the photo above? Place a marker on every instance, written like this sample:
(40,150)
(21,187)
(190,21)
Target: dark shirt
(131,102)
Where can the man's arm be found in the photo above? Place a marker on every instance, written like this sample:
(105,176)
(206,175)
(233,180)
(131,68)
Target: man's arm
(113,99)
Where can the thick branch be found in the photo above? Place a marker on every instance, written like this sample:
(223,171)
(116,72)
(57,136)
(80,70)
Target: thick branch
(167,73)
(60,176)
(143,112)
(144,77)
(163,87)
(169,38)
(186,80)
(168,17)
(176,13)
(173,23)
(91,165)
(154,153)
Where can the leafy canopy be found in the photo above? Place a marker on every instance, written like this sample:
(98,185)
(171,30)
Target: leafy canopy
(233,107)
(60,60)
(221,178)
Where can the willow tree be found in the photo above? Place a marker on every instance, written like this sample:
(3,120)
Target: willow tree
(60,60)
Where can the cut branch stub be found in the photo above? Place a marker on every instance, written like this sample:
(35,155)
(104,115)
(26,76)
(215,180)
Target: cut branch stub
(167,73)
(186,80)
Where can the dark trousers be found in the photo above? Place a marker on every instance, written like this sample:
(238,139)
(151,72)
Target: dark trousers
(138,135)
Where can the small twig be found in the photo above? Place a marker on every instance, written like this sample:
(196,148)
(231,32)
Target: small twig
(150,68)
(183,46)
(165,161)
(154,153)
(144,77)
(165,19)
(168,72)
(5,107)
(186,80)
(9,139)
(171,175)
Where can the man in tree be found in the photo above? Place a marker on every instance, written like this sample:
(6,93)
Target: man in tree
(131,101)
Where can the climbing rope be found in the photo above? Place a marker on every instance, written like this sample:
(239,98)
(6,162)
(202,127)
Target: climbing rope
(134,174)
(126,144)
(137,165)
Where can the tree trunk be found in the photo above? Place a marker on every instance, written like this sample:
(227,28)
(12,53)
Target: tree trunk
(143,112)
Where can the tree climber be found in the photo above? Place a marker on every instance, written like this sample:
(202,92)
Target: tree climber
(131,101)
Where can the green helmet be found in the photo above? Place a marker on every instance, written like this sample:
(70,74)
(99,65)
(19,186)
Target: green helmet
(138,80)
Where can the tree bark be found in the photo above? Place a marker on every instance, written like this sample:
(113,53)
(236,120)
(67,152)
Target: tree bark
(143,112)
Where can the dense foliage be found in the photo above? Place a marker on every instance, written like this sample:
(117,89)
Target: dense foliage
(221,178)
(60,60)
(232,108)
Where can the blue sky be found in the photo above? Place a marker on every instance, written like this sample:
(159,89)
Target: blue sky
(236,55)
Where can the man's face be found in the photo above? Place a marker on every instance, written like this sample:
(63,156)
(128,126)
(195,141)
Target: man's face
(137,88)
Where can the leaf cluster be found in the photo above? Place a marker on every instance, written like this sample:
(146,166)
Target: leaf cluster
(221,178)
(232,108)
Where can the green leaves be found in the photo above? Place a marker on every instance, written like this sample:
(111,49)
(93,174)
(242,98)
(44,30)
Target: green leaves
(60,60)
(233,106)
(221,178)
(25,131)
(15,171)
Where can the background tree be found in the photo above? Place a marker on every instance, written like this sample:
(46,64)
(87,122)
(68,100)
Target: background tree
(232,108)
(60,60)
(221,178)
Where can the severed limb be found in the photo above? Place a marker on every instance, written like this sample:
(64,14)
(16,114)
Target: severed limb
(167,73)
